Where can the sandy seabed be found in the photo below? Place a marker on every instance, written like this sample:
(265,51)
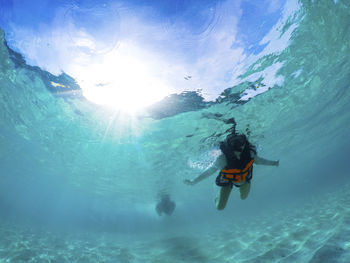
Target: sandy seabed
(318,231)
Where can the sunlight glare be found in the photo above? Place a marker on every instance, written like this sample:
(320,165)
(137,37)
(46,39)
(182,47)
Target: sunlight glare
(124,79)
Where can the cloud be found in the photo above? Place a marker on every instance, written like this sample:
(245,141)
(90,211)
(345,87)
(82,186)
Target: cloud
(273,6)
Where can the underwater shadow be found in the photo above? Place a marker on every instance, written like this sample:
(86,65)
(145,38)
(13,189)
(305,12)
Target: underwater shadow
(183,249)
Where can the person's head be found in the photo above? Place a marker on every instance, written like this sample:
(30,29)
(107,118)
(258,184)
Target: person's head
(235,144)
(165,197)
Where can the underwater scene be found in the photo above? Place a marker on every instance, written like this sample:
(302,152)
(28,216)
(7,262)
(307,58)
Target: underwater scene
(116,120)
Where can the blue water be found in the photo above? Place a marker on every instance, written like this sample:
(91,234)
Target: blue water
(80,182)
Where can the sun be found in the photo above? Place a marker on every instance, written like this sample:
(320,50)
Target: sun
(126,79)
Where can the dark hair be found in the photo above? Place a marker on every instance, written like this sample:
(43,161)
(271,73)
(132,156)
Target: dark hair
(236,141)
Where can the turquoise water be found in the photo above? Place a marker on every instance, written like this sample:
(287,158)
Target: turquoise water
(79,183)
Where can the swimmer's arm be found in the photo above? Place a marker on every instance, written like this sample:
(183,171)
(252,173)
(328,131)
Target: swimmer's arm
(219,163)
(262,161)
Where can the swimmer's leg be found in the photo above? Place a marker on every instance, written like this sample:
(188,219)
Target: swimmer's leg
(244,190)
(224,194)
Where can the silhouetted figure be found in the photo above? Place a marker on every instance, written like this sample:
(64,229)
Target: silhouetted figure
(165,205)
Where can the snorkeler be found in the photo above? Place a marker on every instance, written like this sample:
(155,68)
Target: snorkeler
(236,167)
(165,205)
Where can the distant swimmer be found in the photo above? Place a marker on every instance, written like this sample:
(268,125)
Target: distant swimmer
(236,167)
(165,205)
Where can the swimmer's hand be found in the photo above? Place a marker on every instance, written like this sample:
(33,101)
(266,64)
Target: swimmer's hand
(189,182)
(276,163)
